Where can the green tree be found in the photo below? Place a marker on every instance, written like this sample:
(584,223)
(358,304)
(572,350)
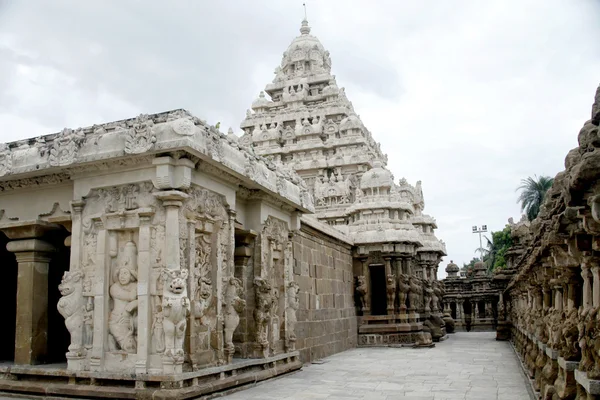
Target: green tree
(496,249)
(533,192)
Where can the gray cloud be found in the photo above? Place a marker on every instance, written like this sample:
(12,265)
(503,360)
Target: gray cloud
(469,97)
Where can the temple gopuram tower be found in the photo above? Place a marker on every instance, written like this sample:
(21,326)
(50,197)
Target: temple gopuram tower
(304,122)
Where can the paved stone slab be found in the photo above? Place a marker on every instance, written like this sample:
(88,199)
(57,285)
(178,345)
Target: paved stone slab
(467,366)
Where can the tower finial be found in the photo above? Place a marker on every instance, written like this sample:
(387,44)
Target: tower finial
(304,29)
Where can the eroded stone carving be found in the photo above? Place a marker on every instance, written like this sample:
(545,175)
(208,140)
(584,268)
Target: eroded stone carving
(262,312)
(122,322)
(361,291)
(403,290)
(176,308)
(5,159)
(293,304)
(140,138)
(63,149)
(234,305)
(414,294)
(391,291)
(72,307)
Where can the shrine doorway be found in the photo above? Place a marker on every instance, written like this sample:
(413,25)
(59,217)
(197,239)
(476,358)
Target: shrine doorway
(8,299)
(378,294)
(58,335)
(453,310)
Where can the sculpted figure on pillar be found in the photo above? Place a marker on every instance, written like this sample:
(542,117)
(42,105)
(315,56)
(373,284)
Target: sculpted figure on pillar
(72,307)
(234,305)
(391,292)
(414,294)
(122,321)
(589,342)
(262,312)
(569,339)
(293,305)
(176,308)
(403,290)
(436,296)
(427,295)
(361,292)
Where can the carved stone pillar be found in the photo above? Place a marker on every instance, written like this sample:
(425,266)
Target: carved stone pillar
(547,297)
(101,299)
(172,200)
(459,310)
(76,209)
(558,298)
(144,299)
(596,286)
(587,286)
(397,266)
(388,265)
(33,259)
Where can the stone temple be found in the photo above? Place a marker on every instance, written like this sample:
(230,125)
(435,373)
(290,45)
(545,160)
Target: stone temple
(157,257)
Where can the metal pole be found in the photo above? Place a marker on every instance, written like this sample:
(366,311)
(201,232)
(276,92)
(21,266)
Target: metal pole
(480,247)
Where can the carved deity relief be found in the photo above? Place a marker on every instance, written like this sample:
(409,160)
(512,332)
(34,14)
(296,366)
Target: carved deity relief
(390,287)
(262,312)
(293,304)
(176,308)
(203,297)
(121,198)
(72,306)
(233,306)
(122,320)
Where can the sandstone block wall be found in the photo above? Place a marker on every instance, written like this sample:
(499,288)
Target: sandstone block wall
(326,318)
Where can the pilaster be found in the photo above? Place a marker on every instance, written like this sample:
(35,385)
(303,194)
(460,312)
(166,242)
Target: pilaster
(33,258)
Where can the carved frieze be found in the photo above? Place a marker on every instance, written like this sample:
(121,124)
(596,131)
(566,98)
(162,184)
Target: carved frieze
(6,159)
(140,138)
(65,146)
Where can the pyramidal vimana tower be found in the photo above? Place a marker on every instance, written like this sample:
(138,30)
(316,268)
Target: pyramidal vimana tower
(304,122)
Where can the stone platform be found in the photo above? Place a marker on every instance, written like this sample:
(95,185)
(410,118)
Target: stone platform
(55,381)
(385,330)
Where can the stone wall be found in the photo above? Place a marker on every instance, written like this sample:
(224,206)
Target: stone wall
(326,318)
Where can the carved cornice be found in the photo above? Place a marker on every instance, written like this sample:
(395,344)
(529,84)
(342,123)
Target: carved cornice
(36,181)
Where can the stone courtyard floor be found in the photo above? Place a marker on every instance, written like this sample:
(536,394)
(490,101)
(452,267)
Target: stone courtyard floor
(469,366)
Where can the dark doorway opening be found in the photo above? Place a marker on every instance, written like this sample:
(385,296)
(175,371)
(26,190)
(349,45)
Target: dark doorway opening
(59,338)
(467,312)
(8,299)
(378,294)
(481,308)
(453,310)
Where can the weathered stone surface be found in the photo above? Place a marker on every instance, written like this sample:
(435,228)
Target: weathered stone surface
(553,299)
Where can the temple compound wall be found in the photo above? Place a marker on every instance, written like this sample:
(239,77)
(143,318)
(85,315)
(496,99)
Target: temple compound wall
(323,270)
(551,305)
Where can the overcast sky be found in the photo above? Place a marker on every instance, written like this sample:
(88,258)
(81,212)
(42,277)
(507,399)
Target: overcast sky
(467,96)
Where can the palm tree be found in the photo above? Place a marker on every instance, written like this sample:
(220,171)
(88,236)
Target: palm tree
(533,192)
